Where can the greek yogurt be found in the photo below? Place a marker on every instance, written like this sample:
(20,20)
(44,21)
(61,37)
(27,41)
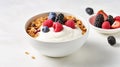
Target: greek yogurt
(66,34)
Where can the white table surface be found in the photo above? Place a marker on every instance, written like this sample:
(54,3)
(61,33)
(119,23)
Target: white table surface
(96,52)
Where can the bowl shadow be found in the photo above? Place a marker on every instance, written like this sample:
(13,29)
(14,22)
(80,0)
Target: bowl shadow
(90,55)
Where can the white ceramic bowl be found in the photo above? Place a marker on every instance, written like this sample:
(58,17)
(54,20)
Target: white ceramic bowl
(104,31)
(57,49)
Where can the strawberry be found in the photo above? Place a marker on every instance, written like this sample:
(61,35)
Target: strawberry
(117,18)
(92,19)
(70,23)
(57,27)
(103,13)
(116,24)
(106,25)
(48,23)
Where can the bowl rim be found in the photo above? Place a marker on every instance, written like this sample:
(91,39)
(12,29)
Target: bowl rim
(84,21)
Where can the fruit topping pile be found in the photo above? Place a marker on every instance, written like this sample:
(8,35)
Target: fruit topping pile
(103,20)
(55,21)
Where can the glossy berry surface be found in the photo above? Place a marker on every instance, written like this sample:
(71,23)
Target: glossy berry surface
(57,27)
(111,40)
(117,18)
(60,17)
(99,20)
(89,11)
(110,19)
(70,23)
(106,25)
(48,23)
(45,29)
(52,16)
(61,21)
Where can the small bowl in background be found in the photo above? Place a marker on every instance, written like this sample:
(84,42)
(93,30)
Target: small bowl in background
(103,31)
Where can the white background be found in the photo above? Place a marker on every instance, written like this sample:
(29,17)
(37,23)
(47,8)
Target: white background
(96,52)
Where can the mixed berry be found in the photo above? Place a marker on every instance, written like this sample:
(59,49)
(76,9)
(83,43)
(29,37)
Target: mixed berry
(104,21)
(55,21)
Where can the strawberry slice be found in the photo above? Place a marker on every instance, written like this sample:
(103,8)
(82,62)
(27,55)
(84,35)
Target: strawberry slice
(116,24)
(92,19)
(103,13)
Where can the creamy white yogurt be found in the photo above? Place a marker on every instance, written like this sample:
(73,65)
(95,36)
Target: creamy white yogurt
(66,34)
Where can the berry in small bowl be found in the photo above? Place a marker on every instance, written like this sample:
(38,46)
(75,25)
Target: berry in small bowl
(104,23)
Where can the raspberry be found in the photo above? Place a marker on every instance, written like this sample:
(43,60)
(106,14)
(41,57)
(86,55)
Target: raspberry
(99,20)
(48,23)
(106,25)
(110,19)
(117,18)
(57,27)
(70,23)
(89,11)
(111,40)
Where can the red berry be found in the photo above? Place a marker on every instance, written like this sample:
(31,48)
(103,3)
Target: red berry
(116,24)
(57,27)
(92,19)
(106,25)
(103,13)
(117,18)
(70,23)
(48,23)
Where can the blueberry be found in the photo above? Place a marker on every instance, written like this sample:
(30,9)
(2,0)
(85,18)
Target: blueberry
(52,17)
(111,40)
(52,13)
(45,29)
(89,11)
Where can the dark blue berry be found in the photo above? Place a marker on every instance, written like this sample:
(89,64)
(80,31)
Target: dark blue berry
(111,40)
(52,16)
(45,29)
(89,11)
(52,13)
